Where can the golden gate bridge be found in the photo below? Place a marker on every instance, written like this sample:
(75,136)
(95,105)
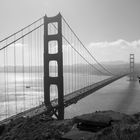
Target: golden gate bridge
(45,67)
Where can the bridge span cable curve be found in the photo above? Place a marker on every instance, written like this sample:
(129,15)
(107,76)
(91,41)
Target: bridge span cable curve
(22,68)
(20,37)
(78,52)
(86,48)
(65,38)
(82,56)
(28,61)
(21,29)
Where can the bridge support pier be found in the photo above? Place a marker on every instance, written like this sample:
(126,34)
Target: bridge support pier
(58,58)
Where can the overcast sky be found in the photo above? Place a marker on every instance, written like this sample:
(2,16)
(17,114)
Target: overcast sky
(109,28)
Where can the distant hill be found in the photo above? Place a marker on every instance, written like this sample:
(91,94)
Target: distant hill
(114,62)
(115,67)
(121,67)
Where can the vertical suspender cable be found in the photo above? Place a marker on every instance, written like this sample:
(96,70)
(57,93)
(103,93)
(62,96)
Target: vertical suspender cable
(39,81)
(23,71)
(34,59)
(38,51)
(35,65)
(5,81)
(31,68)
(15,75)
(8,112)
(29,65)
(41,62)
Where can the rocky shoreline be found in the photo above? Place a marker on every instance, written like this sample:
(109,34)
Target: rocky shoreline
(101,125)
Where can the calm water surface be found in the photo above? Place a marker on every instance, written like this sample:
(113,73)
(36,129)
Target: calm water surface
(19,92)
(121,95)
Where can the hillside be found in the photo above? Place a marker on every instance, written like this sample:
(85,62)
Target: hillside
(101,125)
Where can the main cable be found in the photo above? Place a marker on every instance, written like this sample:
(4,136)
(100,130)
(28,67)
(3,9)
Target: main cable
(78,52)
(86,48)
(21,30)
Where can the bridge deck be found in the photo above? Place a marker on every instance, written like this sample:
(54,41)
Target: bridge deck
(69,99)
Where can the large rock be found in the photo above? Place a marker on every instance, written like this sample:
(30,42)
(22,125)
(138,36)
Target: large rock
(97,125)
(116,116)
(75,134)
(104,118)
(36,128)
(78,135)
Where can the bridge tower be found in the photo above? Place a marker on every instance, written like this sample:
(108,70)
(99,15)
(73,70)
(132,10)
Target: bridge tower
(132,62)
(58,58)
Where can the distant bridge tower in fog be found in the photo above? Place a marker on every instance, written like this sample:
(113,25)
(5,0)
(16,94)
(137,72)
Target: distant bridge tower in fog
(132,62)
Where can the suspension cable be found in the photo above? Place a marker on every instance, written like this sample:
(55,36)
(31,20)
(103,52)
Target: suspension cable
(82,56)
(86,48)
(78,52)
(21,30)
(15,76)
(20,37)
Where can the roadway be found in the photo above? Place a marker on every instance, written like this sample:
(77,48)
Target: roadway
(122,96)
(69,99)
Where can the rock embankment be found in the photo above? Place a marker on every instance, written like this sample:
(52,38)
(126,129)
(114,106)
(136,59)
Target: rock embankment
(104,125)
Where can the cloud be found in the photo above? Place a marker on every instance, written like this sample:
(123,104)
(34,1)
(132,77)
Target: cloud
(119,43)
(115,50)
(19,45)
(98,44)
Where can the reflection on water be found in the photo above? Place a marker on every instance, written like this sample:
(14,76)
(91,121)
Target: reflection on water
(20,92)
(121,95)
(128,97)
